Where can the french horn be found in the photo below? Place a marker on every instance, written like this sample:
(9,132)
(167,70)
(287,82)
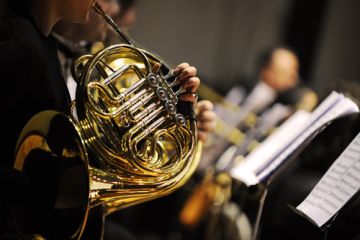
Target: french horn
(127,139)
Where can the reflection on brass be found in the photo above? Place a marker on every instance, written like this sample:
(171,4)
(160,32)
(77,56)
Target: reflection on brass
(34,141)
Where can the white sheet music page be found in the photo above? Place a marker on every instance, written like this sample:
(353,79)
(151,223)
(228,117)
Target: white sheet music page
(336,187)
(335,105)
(246,170)
(260,164)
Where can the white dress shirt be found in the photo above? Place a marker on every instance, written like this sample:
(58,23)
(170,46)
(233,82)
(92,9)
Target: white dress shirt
(259,98)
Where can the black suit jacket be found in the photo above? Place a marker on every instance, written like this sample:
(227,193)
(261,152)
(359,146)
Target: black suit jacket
(31,81)
(31,77)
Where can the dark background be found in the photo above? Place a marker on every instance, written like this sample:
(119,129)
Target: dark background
(223,38)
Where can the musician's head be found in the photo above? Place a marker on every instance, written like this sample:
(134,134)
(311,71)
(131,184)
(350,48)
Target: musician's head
(70,10)
(279,68)
(95,29)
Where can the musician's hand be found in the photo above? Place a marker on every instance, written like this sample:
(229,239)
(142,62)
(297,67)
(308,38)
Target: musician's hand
(187,76)
(206,118)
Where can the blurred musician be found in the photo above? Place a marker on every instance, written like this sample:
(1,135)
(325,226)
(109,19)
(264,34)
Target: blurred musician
(278,76)
(275,94)
(126,19)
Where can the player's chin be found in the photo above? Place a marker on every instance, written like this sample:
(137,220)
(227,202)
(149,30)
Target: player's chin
(83,18)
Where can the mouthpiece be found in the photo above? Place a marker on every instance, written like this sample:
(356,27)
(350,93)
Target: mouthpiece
(111,22)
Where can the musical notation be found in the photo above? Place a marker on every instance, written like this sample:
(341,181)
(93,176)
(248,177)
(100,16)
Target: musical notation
(336,187)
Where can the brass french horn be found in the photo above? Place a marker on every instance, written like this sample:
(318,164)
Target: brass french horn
(128,139)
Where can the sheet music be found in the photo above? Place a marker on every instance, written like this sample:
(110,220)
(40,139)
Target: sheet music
(336,187)
(273,145)
(260,164)
(330,110)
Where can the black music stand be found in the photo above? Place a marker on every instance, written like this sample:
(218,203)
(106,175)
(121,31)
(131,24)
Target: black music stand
(344,128)
(326,227)
(267,181)
(260,190)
